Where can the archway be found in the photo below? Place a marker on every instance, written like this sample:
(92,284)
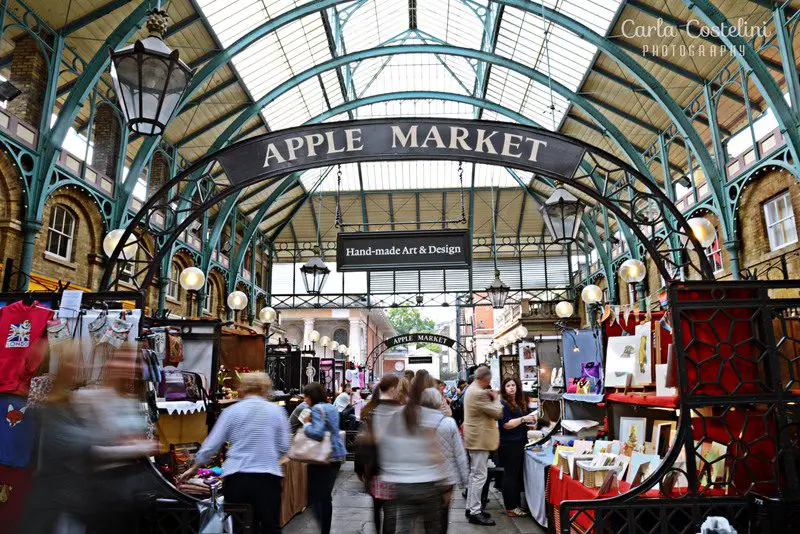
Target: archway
(466,356)
(637,202)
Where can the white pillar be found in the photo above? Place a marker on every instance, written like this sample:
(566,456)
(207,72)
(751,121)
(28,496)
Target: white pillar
(308,326)
(354,342)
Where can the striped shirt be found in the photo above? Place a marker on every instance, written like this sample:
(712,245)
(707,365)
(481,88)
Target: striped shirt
(258,433)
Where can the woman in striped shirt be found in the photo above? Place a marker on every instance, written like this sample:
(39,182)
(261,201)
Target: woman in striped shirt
(258,435)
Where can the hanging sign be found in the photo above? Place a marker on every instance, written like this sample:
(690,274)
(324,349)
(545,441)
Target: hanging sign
(420,360)
(404,339)
(395,251)
(493,143)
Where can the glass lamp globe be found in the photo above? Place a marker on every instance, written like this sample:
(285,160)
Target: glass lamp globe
(314,336)
(267,314)
(522,332)
(564,309)
(592,294)
(703,231)
(237,301)
(112,239)
(632,271)
(325,341)
(342,349)
(192,278)
(334,345)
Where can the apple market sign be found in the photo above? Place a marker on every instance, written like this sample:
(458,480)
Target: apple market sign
(405,339)
(493,143)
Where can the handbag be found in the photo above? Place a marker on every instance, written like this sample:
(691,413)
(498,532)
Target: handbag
(308,450)
(174,349)
(173,386)
(58,331)
(97,327)
(593,372)
(117,333)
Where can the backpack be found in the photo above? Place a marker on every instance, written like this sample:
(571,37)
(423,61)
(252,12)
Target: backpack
(457,407)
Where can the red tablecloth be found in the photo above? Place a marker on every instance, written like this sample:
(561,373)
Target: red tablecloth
(644,400)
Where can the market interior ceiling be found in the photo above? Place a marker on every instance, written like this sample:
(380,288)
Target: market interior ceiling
(440,84)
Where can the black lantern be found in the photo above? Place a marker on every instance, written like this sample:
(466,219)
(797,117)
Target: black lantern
(149,79)
(498,292)
(315,272)
(562,214)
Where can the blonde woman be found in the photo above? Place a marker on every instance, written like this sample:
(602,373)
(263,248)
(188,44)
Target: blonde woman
(258,435)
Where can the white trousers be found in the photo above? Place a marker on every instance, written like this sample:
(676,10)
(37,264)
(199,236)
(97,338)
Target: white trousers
(477,479)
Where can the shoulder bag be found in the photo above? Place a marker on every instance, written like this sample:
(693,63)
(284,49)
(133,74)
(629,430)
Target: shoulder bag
(308,450)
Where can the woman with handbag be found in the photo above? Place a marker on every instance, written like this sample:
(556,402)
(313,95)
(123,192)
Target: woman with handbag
(513,437)
(322,423)
(257,432)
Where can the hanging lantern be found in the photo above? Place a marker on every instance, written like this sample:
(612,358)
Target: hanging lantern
(498,292)
(632,271)
(149,79)
(703,231)
(564,309)
(562,213)
(112,239)
(237,301)
(314,336)
(592,294)
(267,315)
(325,341)
(192,279)
(315,272)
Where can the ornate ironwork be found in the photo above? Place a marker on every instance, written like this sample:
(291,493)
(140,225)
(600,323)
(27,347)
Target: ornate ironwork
(737,349)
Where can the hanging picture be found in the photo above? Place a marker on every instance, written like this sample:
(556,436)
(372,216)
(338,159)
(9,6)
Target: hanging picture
(527,354)
(622,354)
(632,434)
(642,370)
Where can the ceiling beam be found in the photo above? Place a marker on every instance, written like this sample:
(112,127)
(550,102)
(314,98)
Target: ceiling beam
(211,125)
(91,16)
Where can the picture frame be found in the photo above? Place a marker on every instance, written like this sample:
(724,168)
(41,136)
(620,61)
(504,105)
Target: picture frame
(642,369)
(632,433)
(661,382)
(621,356)
(663,436)
(644,463)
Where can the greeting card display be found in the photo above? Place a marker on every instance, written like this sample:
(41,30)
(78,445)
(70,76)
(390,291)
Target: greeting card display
(622,355)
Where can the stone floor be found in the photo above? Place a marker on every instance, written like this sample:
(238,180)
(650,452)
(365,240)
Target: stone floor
(352,513)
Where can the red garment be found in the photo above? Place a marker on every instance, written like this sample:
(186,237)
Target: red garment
(22,344)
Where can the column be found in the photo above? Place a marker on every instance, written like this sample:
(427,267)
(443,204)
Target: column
(354,342)
(308,326)
(106,137)
(29,75)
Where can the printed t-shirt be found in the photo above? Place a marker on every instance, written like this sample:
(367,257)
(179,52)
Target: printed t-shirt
(17,431)
(22,344)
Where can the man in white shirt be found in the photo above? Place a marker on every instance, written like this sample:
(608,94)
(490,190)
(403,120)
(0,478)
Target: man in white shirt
(343,400)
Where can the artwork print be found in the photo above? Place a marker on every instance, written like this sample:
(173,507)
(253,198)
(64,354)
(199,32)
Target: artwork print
(642,371)
(632,434)
(622,356)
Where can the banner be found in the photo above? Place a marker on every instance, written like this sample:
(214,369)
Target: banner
(318,145)
(436,339)
(396,251)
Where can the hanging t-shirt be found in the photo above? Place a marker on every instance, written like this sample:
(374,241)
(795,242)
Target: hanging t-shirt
(17,431)
(22,344)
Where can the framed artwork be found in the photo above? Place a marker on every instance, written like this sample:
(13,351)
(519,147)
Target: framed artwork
(645,463)
(663,436)
(713,463)
(632,434)
(661,382)
(642,370)
(621,356)
(527,354)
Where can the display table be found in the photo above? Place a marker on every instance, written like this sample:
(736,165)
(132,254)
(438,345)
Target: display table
(643,400)
(536,464)
(295,490)
(181,428)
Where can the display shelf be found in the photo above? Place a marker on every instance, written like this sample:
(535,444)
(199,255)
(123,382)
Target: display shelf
(593,398)
(645,399)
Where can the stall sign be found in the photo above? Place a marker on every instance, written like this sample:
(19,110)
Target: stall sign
(411,250)
(419,360)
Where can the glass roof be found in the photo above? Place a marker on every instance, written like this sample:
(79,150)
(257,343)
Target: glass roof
(366,24)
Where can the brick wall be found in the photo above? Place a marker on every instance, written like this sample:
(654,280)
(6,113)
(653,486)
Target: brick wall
(106,137)
(11,206)
(85,263)
(29,74)
(159,173)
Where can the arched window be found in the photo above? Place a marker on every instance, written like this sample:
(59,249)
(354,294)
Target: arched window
(173,288)
(61,232)
(341,336)
(209,297)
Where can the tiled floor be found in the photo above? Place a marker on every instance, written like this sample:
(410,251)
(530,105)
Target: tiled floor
(352,513)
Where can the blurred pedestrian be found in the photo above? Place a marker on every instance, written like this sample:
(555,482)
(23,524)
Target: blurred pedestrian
(482,409)
(411,458)
(324,418)
(382,492)
(60,490)
(257,433)
(455,457)
(513,437)
(344,398)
